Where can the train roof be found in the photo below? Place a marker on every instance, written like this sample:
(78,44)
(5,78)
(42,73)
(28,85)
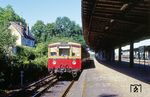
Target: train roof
(65,43)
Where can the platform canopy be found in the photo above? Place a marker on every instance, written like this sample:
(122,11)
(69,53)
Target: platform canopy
(111,23)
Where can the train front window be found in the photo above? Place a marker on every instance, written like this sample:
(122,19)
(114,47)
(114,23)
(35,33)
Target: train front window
(53,53)
(64,52)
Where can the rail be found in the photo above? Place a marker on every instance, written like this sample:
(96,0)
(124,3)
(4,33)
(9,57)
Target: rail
(34,86)
(42,90)
(67,89)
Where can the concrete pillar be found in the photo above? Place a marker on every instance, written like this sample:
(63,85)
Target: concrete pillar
(112,55)
(104,55)
(100,55)
(144,55)
(109,54)
(131,54)
(119,54)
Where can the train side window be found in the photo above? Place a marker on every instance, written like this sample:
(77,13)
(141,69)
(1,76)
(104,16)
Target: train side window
(78,55)
(53,53)
(73,54)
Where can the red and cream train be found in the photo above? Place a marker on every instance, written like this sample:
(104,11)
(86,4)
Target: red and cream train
(64,57)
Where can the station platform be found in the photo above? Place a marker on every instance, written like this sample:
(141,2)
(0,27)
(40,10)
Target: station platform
(105,81)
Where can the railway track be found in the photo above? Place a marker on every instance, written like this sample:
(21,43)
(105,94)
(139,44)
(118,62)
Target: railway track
(67,89)
(60,89)
(46,87)
(34,89)
(41,90)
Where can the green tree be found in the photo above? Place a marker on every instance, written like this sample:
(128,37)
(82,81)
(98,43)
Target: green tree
(41,49)
(39,31)
(62,29)
(50,32)
(7,14)
(65,27)
(25,54)
(7,40)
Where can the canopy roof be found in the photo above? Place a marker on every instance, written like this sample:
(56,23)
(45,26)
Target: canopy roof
(111,23)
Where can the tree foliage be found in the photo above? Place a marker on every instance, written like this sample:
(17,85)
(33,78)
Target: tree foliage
(6,39)
(41,49)
(10,66)
(39,31)
(7,14)
(63,29)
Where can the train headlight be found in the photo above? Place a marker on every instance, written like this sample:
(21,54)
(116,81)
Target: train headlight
(54,62)
(74,62)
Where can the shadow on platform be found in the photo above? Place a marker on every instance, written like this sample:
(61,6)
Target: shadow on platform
(108,95)
(88,64)
(68,77)
(139,71)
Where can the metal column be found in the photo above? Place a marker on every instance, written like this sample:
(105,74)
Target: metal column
(113,55)
(119,54)
(131,54)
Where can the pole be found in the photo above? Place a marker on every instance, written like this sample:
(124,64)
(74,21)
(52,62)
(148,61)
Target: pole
(131,54)
(144,55)
(120,54)
(21,76)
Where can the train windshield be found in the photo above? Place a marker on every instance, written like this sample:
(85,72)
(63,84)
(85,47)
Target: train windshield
(64,52)
(53,53)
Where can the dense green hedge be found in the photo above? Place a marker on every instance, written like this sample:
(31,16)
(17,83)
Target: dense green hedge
(26,59)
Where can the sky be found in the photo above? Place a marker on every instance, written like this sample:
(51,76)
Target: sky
(45,10)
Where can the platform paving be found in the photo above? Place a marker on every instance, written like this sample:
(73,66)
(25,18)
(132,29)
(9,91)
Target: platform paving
(103,81)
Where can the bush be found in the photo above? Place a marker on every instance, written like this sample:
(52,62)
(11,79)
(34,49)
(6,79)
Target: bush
(26,59)
(25,53)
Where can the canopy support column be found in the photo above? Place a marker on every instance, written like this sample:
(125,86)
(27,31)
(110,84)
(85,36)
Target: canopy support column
(131,54)
(119,54)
